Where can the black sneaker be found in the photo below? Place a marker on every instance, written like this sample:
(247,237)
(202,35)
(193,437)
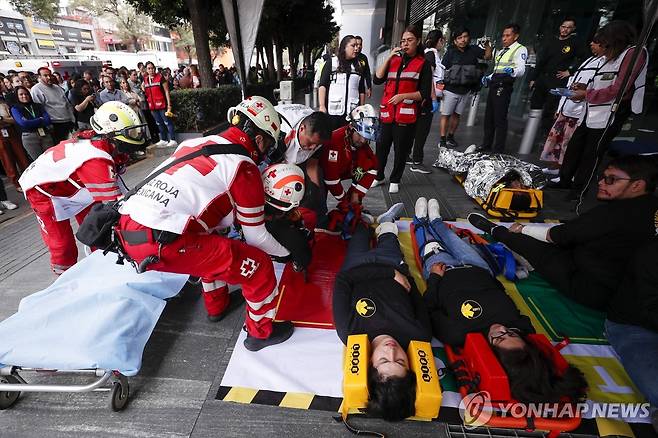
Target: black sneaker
(451,142)
(481,223)
(409,161)
(235,300)
(281,331)
(442,143)
(420,168)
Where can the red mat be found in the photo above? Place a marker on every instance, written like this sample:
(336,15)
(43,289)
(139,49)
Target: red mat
(307,302)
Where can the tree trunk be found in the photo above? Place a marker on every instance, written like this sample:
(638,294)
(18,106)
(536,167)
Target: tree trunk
(279,60)
(307,57)
(136,47)
(271,66)
(293,51)
(199,22)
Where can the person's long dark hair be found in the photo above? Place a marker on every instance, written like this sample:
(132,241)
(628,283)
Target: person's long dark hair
(344,64)
(433,38)
(77,87)
(18,102)
(533,379)
(615,37)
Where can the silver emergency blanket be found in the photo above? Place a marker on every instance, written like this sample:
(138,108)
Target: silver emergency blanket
(482,170)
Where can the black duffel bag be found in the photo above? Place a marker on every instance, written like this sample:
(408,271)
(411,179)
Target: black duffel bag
(96,229)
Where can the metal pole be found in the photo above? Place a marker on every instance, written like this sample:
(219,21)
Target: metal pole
(530,132)
(473,110)
(244,63)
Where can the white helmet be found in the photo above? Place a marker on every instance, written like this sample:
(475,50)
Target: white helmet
(284,186)
(119,120)
(365,121)
(260,111)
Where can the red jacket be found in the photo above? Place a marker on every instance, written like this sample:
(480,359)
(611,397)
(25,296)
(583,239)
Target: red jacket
(339,161)
(401,80)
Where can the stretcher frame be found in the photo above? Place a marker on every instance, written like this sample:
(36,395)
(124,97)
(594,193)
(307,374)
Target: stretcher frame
(12,384)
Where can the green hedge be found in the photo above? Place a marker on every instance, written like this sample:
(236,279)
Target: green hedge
(202,108)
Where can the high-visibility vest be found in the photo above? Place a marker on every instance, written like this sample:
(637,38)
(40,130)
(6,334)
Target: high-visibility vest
(401,79)
(343,93)
(437,74)
(505,58)
(598,114)
(154,92)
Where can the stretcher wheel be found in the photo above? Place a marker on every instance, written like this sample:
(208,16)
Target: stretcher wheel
(8,398)
(119,395)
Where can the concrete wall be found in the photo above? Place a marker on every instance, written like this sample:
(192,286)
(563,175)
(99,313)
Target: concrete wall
(364,18)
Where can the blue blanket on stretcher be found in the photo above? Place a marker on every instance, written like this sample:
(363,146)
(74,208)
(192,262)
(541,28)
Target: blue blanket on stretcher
(96,315)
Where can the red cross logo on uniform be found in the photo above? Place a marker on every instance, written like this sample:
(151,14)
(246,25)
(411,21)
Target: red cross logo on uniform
(259,105)
(287,192)
(272,173)
(248,267)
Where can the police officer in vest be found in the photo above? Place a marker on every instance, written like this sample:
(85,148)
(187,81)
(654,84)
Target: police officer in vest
(342,87)
(509,64)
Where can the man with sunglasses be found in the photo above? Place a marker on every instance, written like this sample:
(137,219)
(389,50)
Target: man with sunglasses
(585,259)
(67,179)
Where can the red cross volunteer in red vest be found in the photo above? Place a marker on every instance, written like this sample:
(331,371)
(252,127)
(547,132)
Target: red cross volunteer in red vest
(408,81)
(349,156)
(67,179)
(177,215)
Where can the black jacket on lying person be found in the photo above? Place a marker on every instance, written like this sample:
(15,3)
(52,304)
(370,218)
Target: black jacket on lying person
(636,300)
(368,300)
(468,300)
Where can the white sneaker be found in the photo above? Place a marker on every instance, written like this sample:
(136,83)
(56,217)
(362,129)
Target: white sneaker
(433,209)
(377,182)
(549,171)
(420,210)
(160,144)
(172,144)
(555,180)
(472,148)
(393,188)
(2,212)
(9,205)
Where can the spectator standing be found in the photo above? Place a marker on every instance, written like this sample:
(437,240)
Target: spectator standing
(156,90)
(34,122)
(110,93)
(342,86)
(194,72)
(59,81)
(12,155)
(83,100)
(433,43)
(588,143)
(55,103)
(91,80)
(570,114)
(408,79)
(461,79)
(509,64)
(185,81)
(557,59)
(364,65)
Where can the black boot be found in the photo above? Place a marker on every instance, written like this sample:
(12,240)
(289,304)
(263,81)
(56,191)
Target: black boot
(281,331)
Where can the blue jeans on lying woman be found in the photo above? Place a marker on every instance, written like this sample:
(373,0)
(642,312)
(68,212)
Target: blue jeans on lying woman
(456,252)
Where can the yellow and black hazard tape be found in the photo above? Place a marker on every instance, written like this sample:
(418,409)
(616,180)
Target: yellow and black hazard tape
(297,400)
(532,221)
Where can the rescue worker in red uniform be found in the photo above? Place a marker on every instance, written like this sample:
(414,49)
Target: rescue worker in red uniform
(67,179)
(175,218)
(408,80)
(349,156)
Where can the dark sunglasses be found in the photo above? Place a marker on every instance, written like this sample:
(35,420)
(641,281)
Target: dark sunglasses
(611,179)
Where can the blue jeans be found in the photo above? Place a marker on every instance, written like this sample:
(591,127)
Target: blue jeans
(387,251)
(456,251)
(165,125)
(637,348)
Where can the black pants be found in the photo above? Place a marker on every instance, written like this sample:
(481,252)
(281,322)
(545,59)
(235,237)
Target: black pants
(386,252)
(556,265)
(495,116)
(423,125)
(543,100)
(581,156)
(61,131)
(401,137)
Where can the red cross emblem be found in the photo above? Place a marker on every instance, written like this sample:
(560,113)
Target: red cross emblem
(260,105)
(272,173)
(287,192)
